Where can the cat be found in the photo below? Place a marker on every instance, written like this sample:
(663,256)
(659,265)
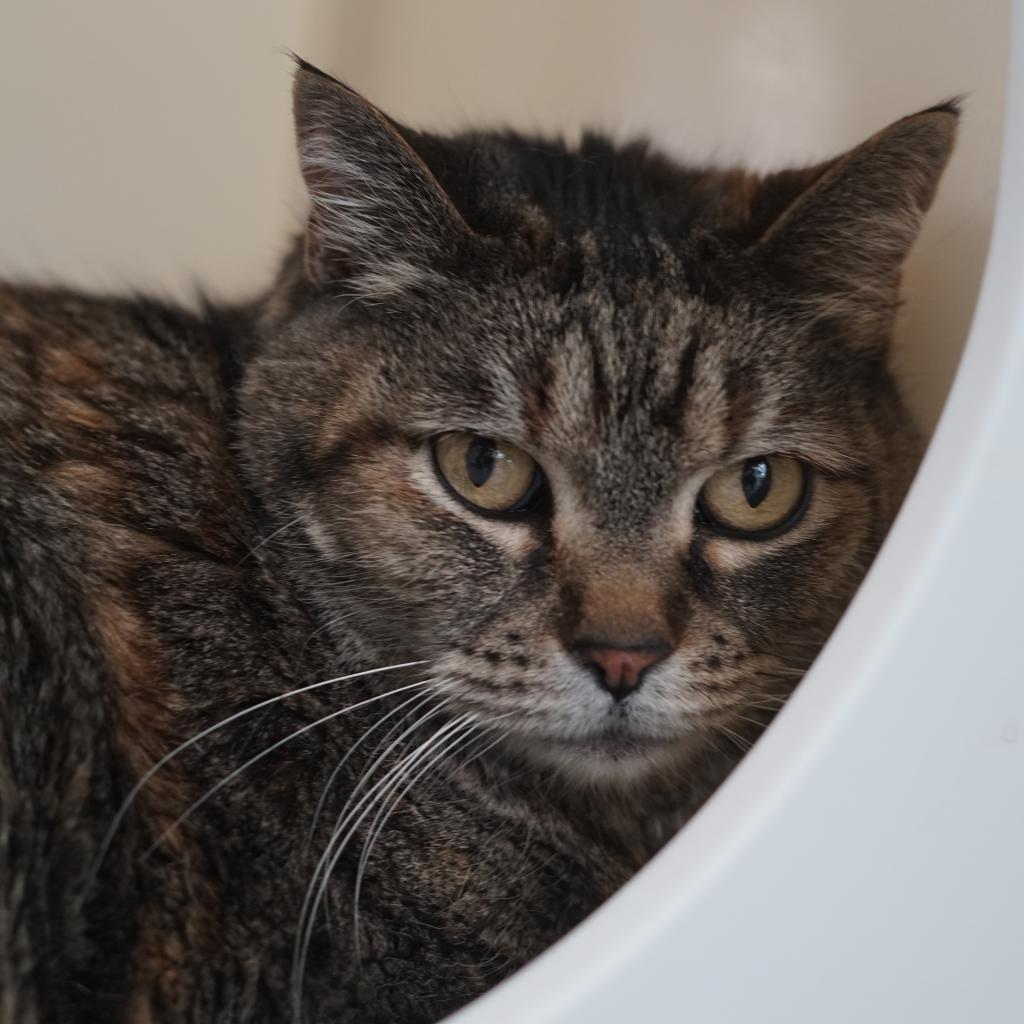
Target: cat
(358,641)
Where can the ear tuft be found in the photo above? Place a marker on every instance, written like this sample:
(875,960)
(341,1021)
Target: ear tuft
(380,224)
(954,105)
(303,65)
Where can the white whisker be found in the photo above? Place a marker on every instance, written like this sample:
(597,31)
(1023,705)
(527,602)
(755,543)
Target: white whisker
(480,753)
(339,841)
(740,741)
(213,790)
(382,758)
(366,776)
(386,807)
(418,698)
(266,540)
(140,785)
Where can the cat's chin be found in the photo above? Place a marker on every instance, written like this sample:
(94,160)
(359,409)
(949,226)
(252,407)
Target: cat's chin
(613,760)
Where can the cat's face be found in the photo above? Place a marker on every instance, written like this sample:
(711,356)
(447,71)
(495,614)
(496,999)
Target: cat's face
(615,507)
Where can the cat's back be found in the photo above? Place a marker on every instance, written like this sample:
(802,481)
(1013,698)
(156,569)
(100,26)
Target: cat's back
(108,406)
(113,441)
(113,456)
(78,367)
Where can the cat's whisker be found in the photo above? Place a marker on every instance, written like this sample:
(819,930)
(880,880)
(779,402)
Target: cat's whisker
(776,686)
(416,700)
(765,705)
(270,536)
(343,835)
(355,584)
(231,776)
(775,693)
(480,753)
(486,726)
(341,818)
(335,620)
(387,805)
(141,784)
(709,738)
(740,741)
(382,758)
(751,721)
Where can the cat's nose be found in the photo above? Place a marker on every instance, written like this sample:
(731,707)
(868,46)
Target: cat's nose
(620,669)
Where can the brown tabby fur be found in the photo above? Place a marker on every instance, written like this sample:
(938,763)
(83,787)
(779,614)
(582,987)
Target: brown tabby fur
(200,512)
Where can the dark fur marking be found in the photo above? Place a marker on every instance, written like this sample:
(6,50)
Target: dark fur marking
(539,558)
(741,397)
(599,381)
(358,441)
(137,437)
(567,270)
(537,408)
(670,413)
(697,568)
(677,607)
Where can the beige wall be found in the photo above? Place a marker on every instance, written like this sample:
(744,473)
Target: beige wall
(146,144)
(149,143)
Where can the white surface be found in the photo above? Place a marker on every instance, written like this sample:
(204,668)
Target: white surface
(865,863)
(148,145)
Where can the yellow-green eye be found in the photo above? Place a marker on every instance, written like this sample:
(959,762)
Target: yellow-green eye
(757,497)
(486,473)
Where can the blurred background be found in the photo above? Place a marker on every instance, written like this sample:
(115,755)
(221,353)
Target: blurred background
(148,145)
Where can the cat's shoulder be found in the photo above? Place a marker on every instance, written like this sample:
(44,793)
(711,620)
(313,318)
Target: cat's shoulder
(119,513)
(114,430)
(62,351)
(91,385)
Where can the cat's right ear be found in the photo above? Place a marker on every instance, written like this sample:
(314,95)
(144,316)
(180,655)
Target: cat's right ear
(379,224)
(846,226)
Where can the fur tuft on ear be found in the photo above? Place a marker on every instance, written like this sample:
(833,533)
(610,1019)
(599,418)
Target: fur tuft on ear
(848,224)
(379,224)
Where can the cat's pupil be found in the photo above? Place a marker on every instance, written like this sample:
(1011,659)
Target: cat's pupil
(480,460)
(757,481)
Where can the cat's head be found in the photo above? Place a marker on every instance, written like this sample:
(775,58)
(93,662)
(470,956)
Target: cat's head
(607,442)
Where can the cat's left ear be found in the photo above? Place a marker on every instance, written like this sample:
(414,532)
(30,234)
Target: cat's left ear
(380,224)
(847,226)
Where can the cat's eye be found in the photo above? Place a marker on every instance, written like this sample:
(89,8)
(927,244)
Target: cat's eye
(488,474)
(755,498)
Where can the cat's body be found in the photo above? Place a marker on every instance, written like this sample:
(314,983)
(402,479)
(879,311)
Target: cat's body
(136,617)
(203,512)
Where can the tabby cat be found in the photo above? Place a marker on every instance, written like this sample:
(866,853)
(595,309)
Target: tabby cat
(357,642)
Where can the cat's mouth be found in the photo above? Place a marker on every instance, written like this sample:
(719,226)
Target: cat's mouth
(616,753)
(620,741)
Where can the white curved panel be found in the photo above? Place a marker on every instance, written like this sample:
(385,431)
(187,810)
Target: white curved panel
(866,861)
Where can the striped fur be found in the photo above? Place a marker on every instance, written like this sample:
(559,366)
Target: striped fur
(225,550)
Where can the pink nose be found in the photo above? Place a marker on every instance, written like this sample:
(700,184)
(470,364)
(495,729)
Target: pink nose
(620,669)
